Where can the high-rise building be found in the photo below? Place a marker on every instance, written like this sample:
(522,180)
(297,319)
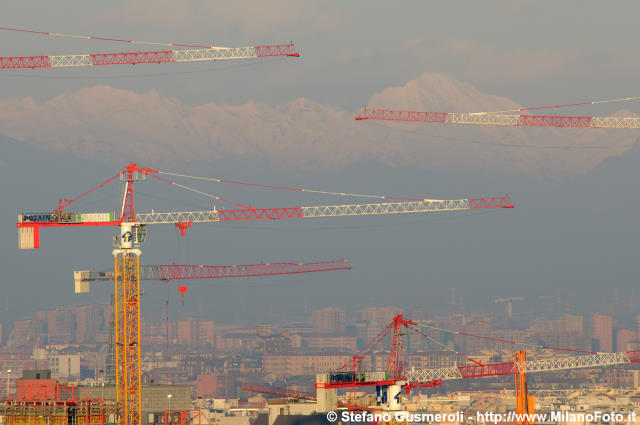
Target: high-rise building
(88,319)
(329,320)
(623,338)
(61,326)
(193,331)
(602,332)
(206,333)
(566,332)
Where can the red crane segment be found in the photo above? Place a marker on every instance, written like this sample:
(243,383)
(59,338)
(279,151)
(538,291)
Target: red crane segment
(395,363)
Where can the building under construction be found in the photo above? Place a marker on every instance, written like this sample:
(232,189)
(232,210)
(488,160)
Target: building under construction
(59,412)
(40,400)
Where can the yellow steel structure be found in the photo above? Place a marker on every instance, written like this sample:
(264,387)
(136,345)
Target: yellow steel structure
(525,403)
(127,334)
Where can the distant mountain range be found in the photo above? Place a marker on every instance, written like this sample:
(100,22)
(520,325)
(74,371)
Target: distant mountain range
(103,123)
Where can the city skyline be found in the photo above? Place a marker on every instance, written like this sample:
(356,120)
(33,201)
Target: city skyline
(466,173)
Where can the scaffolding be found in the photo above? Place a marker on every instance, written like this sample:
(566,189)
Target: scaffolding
(58,412)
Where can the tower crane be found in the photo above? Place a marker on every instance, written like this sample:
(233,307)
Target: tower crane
(395,378)
(509,302)
(132,233)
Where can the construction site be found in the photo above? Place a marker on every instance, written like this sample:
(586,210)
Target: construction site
(530,356)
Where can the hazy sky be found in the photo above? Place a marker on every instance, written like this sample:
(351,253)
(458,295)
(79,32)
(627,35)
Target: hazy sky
(533,52)
(574,226)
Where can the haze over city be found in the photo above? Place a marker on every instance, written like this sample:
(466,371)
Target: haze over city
(565,254)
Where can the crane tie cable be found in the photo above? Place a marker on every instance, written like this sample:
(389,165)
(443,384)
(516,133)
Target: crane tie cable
(543,347)
(294,189)
(216,197)
(117,40)
(444,346)
(568,105)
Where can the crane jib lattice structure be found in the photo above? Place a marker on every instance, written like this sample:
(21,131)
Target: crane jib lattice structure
(160,56)
(187,271)
(128,273)
(486,118)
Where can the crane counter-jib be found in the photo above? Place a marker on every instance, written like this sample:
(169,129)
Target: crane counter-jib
(66,217)
(29,224)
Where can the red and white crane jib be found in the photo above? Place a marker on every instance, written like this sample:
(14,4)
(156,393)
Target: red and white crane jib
(29,223)
(381,208)
(485,118)
(187,271)
(531,366)
(161,56)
